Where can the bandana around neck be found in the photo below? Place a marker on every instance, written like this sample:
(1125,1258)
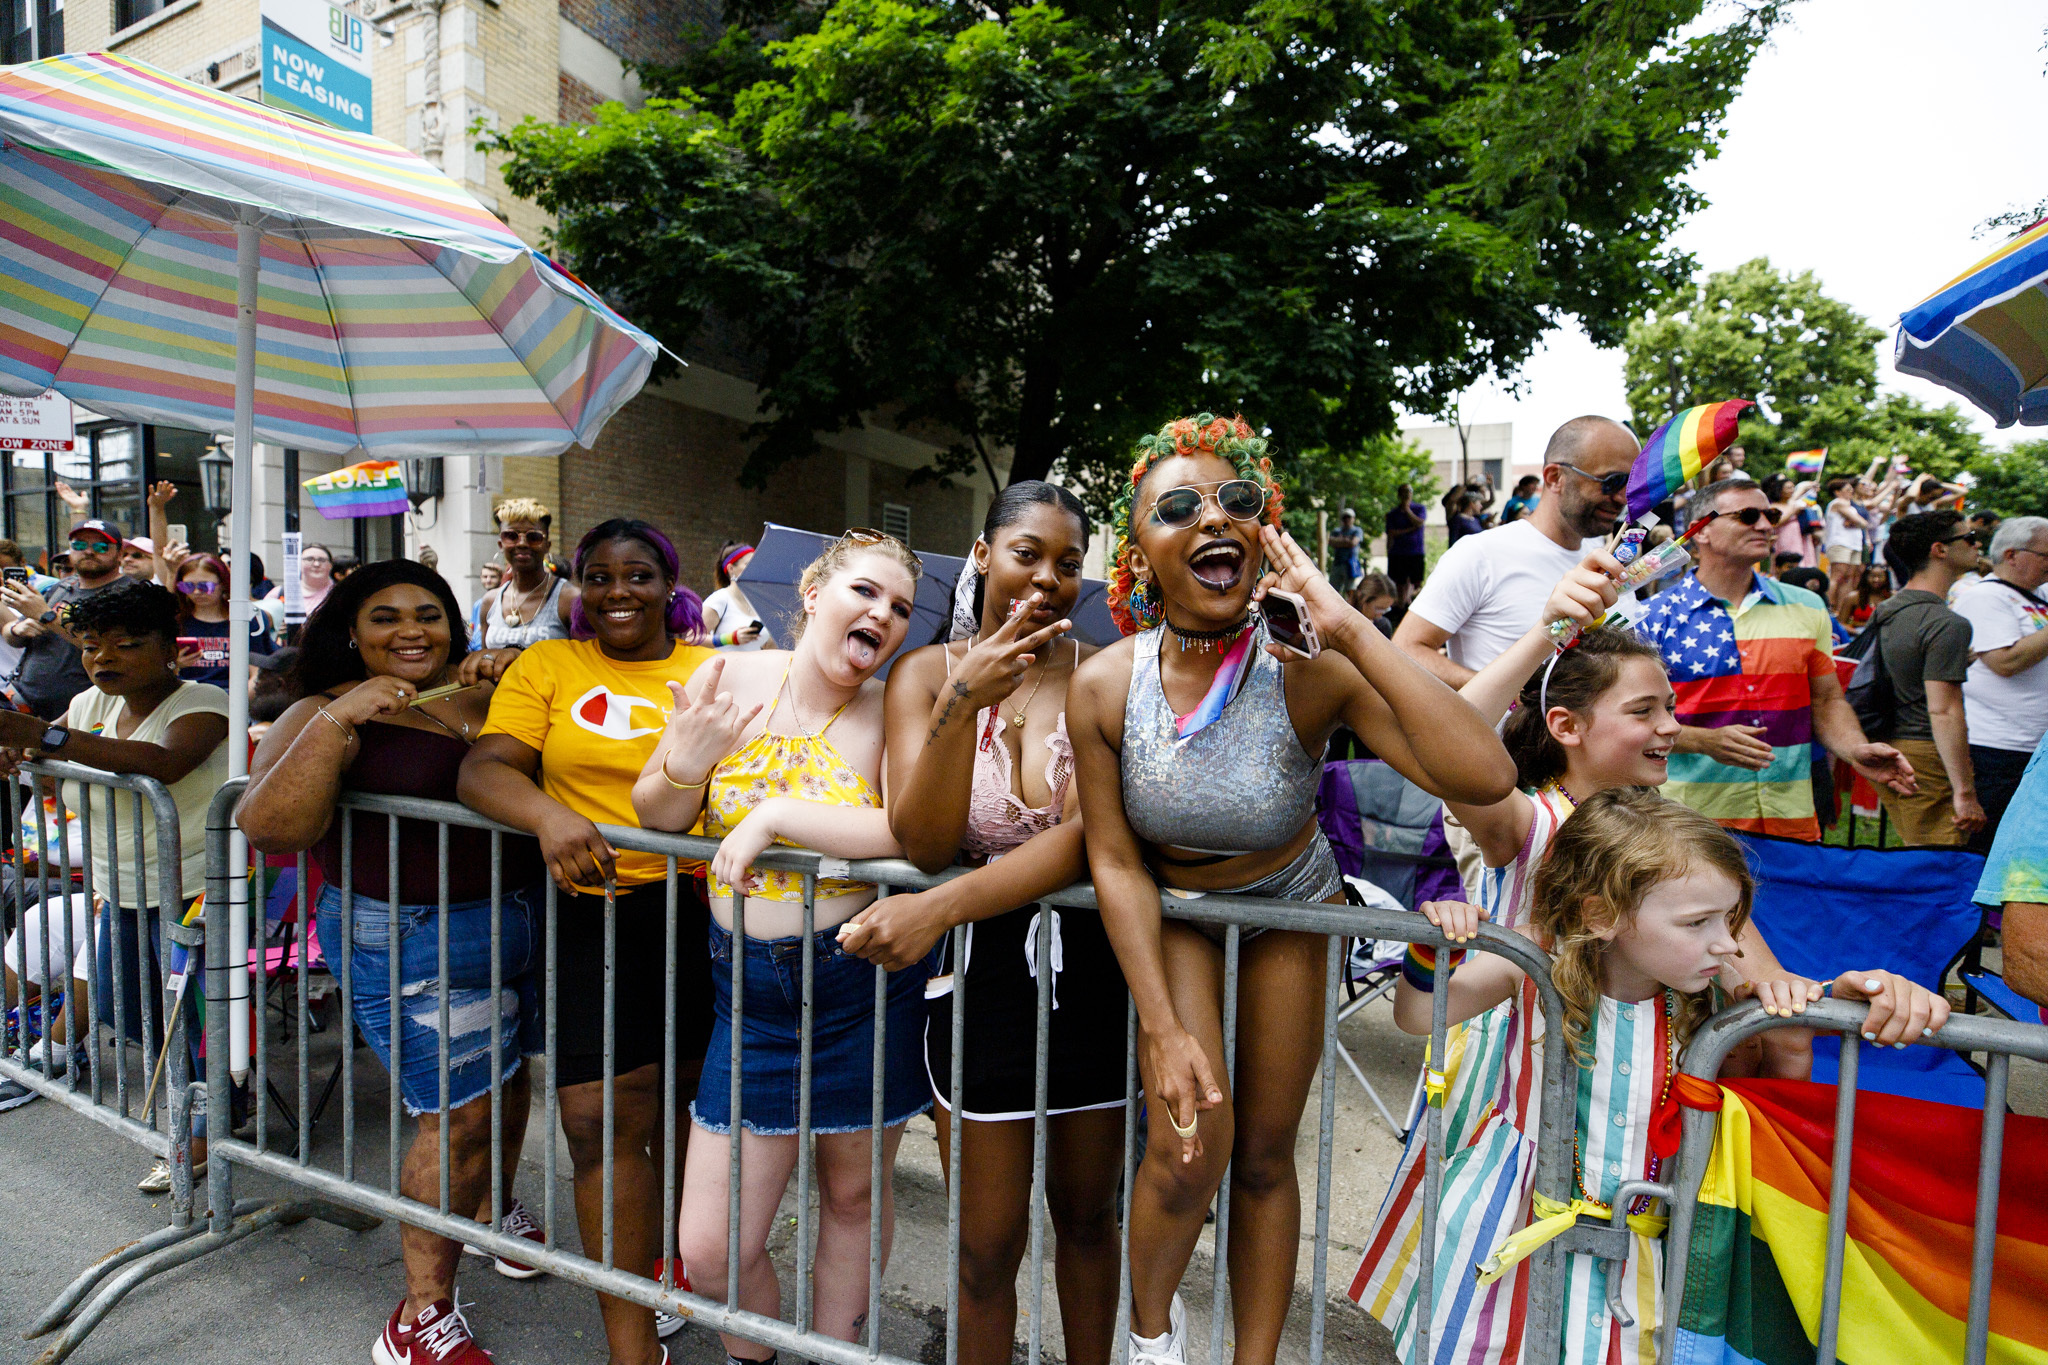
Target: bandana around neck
(1229,677)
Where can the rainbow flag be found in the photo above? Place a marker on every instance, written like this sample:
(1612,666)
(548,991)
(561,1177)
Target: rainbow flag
(1677,451)
(368,488)
(1805,464)
(1758,1254)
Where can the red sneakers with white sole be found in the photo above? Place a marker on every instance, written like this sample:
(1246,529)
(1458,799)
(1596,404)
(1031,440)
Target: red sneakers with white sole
(439,1336)
(517,1222)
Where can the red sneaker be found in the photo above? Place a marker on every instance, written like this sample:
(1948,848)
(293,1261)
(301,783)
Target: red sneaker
(439,1335)
(517,1222)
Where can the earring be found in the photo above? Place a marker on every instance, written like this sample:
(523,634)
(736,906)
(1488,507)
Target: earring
(351,642)
(1146,607)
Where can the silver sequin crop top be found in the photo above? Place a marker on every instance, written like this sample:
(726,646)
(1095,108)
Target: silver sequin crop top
(1241,784)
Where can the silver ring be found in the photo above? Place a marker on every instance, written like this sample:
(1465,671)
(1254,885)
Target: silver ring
(1188,1131)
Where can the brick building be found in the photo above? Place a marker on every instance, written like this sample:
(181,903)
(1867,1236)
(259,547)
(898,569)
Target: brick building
(671,455)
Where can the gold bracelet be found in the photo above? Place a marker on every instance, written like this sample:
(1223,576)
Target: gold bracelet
(348,736)
(683,786)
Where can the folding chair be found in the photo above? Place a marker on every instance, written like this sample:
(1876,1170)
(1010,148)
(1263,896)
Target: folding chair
(289,948)
(1906,910)
(1387,835)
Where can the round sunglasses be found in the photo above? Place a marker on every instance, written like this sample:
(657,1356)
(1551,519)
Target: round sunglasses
(1239,499)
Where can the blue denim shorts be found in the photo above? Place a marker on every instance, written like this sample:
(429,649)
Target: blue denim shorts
(469,989)
(842,1040)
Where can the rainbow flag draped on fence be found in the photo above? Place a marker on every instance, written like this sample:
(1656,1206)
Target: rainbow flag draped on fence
(1758,1253)
(369,488)
(1677,451)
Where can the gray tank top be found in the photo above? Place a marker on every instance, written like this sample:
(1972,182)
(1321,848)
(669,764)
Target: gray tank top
(544,624)
(1240,785)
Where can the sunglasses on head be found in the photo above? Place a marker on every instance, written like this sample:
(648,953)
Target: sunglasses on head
(1239,499)
(1610,484)
(535,538)
(868,535)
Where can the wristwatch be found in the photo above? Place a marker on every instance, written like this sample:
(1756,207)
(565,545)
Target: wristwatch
(49,617)
(54,738)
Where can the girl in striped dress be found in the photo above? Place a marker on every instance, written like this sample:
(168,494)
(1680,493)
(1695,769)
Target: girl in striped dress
(1640,906)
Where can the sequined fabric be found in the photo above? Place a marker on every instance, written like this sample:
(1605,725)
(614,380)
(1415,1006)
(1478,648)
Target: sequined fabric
(1239,785)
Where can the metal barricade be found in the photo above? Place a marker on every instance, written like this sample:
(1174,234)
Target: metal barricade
(341,1181)
(2001,1039)
(72,822)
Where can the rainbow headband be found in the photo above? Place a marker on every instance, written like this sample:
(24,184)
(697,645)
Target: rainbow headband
(1677,451)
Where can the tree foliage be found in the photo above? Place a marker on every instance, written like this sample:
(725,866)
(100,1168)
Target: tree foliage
(1049,229)
(1363,478)
(1810,361)
(2012,482)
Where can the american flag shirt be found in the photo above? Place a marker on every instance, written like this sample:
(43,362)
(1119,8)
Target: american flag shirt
(1747,663)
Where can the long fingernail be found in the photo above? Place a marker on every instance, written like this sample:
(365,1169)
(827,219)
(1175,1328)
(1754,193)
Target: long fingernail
(1870,1037)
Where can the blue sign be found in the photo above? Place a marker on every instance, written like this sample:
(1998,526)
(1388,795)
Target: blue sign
(317,66)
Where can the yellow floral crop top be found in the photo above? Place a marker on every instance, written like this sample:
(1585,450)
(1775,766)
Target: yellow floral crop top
(807,767)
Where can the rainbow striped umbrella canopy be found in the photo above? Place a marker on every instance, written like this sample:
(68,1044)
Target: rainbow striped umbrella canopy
(1985,333)
(394,313)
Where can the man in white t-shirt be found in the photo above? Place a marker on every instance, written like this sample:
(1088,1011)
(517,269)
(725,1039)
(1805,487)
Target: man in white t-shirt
(1489,588)
(2005,693)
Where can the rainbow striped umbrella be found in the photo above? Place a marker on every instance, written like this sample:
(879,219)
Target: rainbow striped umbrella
(1985,333)
(394,313)
(170,254)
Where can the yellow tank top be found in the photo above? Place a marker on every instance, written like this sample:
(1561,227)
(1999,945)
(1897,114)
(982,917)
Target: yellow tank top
(807,767)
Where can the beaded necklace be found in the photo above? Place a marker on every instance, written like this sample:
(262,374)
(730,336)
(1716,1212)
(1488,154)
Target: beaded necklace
(1642,1202)
(1206,640)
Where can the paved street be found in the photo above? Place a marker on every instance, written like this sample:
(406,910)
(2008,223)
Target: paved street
(317,1293)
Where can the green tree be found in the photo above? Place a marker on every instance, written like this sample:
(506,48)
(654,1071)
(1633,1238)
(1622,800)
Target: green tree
(2012,482)
(1362,478)
(1809,360)
(1050,229)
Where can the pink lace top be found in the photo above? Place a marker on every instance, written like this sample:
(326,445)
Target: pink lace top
(997,821)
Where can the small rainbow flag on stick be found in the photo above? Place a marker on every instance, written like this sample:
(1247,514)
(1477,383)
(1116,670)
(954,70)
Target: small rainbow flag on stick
(370,488)
(1677,451)
(1805,464)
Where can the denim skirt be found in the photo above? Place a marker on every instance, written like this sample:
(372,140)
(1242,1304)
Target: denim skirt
(468,988)
(842,1039)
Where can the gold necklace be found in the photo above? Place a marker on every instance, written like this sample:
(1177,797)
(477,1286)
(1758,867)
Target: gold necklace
(462,734)
(1018,720)
(514,615)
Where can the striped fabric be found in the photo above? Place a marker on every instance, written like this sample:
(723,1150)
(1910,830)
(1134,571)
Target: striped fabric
(1753,664)
(1985,333)
(1485,1197)
(395,314)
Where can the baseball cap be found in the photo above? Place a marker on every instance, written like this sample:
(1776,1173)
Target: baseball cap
(107,529)
(142,543)
(277,661)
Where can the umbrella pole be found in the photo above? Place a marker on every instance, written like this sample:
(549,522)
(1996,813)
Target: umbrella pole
(248,259)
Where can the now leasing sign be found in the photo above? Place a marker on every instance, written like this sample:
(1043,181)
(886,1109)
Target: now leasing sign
(316,61)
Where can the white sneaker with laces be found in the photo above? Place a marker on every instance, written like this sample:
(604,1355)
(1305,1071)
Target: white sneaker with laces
(1171,1349)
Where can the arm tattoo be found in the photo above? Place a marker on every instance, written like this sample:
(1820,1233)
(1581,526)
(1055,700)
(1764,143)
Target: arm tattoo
(959,691)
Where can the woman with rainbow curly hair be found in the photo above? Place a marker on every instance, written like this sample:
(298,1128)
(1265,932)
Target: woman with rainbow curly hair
(1198,752)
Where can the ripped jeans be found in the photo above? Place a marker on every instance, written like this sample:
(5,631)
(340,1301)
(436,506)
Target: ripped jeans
(470,1005)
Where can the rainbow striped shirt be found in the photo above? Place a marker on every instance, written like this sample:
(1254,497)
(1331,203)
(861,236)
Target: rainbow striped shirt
(1748,664)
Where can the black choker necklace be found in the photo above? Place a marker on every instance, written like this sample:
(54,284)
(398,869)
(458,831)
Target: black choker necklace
(1206,640)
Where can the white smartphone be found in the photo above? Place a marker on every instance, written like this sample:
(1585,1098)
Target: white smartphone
(1288,624)
(179,536)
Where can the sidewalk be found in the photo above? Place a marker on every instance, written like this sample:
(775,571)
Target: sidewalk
(316,1293)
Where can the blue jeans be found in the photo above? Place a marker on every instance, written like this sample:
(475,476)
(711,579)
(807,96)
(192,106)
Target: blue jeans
(842,1040)
(470,1007)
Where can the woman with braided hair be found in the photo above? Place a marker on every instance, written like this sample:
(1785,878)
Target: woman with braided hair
(1198,752)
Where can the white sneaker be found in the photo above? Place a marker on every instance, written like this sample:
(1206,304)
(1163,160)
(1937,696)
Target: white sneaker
(1171,1349)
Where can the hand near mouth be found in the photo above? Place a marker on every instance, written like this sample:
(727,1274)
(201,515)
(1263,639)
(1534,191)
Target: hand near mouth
(995,667)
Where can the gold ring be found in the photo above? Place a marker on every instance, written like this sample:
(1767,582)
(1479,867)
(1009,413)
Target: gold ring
(1188,1131)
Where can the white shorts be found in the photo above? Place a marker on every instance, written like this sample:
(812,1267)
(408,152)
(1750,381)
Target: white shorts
(32,924)
(1845,554)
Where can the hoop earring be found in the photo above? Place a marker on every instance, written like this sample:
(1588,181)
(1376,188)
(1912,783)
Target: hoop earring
(351,642)
(1148,609)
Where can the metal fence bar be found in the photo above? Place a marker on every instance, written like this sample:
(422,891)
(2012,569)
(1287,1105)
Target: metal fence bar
(1984,1235)
(1319,1306)
(440,990)
(805,1260)
(498,1190)
(348,995)
(956,1084)
(395,1010)
(875,1174)
(669,1097)
(611,1024)
(553,1106)
(733,1141)
(1040,1089)
(1220,1269)
(302,931)
(1838,1196)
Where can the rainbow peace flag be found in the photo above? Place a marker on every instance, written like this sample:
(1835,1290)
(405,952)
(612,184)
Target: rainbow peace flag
(1759,1248)
(1677,451)
(1805,464)
(369,488)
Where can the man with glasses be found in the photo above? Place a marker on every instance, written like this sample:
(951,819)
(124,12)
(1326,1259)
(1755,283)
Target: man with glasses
(2006,691)
(1752,662)
(51,673)
(1490,587)
(1925,649)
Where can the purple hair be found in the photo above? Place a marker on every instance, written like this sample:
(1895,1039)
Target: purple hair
(685,609)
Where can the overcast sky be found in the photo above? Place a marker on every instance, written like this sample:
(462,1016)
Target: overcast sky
(1871,137)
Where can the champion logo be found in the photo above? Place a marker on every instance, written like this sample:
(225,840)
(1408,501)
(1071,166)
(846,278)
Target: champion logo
(605,712)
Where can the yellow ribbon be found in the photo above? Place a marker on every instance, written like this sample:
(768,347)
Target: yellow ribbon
(1553,1221)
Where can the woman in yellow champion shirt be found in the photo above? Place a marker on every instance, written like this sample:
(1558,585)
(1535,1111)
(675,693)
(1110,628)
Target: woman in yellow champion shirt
(572,723)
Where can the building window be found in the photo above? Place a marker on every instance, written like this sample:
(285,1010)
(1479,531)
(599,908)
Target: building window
(35,28)
(111,465)
(128,12)
(896,521)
